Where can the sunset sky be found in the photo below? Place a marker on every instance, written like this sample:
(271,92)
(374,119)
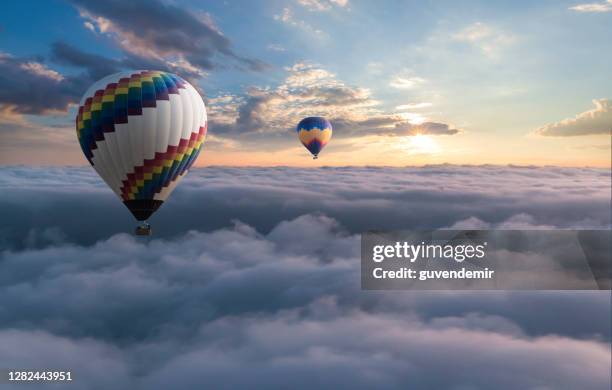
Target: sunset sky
(403,82)
(252,275)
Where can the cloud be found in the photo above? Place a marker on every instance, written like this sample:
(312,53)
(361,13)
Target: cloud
(276,47)
(272,299)
(405,82)
(359,199)
(41,70)
(403,124)
(188,44)
(597,121)
(322,5)
(93,364)
(433,128)
(375,68)
(308,90)
(604,6)
(287,17)
(188,40)
(236,307)
(97,66)
(489,40)
(413,106)
(363,351)
(31,87)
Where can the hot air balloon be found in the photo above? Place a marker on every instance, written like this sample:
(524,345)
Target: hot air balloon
(141,131)
(314,133)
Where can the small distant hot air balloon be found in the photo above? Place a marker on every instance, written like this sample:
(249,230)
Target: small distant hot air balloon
(141,131)
(314,133)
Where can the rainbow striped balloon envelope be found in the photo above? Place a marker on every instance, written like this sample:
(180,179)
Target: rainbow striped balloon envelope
(314,133)
(141,131)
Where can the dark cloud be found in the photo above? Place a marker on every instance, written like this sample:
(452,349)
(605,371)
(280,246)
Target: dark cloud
(30,87)
(161,29)
(433,128)
(334,95)
(96,66)
(187,44)
(391,125)
(250,118)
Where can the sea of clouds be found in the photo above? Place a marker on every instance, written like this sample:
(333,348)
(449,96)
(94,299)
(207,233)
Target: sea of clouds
(252,280)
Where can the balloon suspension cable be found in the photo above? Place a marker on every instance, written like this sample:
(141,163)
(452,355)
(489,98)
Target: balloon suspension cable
(144,229)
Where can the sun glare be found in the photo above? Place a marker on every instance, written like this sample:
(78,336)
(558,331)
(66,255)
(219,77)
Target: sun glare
(420,144)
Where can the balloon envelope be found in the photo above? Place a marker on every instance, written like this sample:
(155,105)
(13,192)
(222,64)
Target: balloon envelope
(314,133)
(141,131)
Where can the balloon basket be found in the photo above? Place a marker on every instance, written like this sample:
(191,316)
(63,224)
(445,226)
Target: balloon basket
(144,229)
(315,157)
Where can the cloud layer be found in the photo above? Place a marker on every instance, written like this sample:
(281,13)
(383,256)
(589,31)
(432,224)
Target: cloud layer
(273,300)
(233,308)
(36,199)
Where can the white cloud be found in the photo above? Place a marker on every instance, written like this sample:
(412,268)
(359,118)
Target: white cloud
(277,304)
(489,40)
(413,106)
(375,68)
(89,25)
(413,117)
(605,6)
(340,3)
(322,5)
(592,122)
(289,18)
(308,75)
(309,89)
(402,82)
(41,70)
(276,47)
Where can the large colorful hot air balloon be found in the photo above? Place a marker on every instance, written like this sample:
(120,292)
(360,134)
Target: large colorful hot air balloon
(314,133)
(141,131)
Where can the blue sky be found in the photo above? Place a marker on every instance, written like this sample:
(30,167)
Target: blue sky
(498,72)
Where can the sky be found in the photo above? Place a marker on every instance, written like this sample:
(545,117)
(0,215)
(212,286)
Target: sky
(403,82)
(460,115)
(252,279)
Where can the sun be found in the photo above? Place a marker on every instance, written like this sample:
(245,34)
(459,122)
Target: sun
(421,144)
